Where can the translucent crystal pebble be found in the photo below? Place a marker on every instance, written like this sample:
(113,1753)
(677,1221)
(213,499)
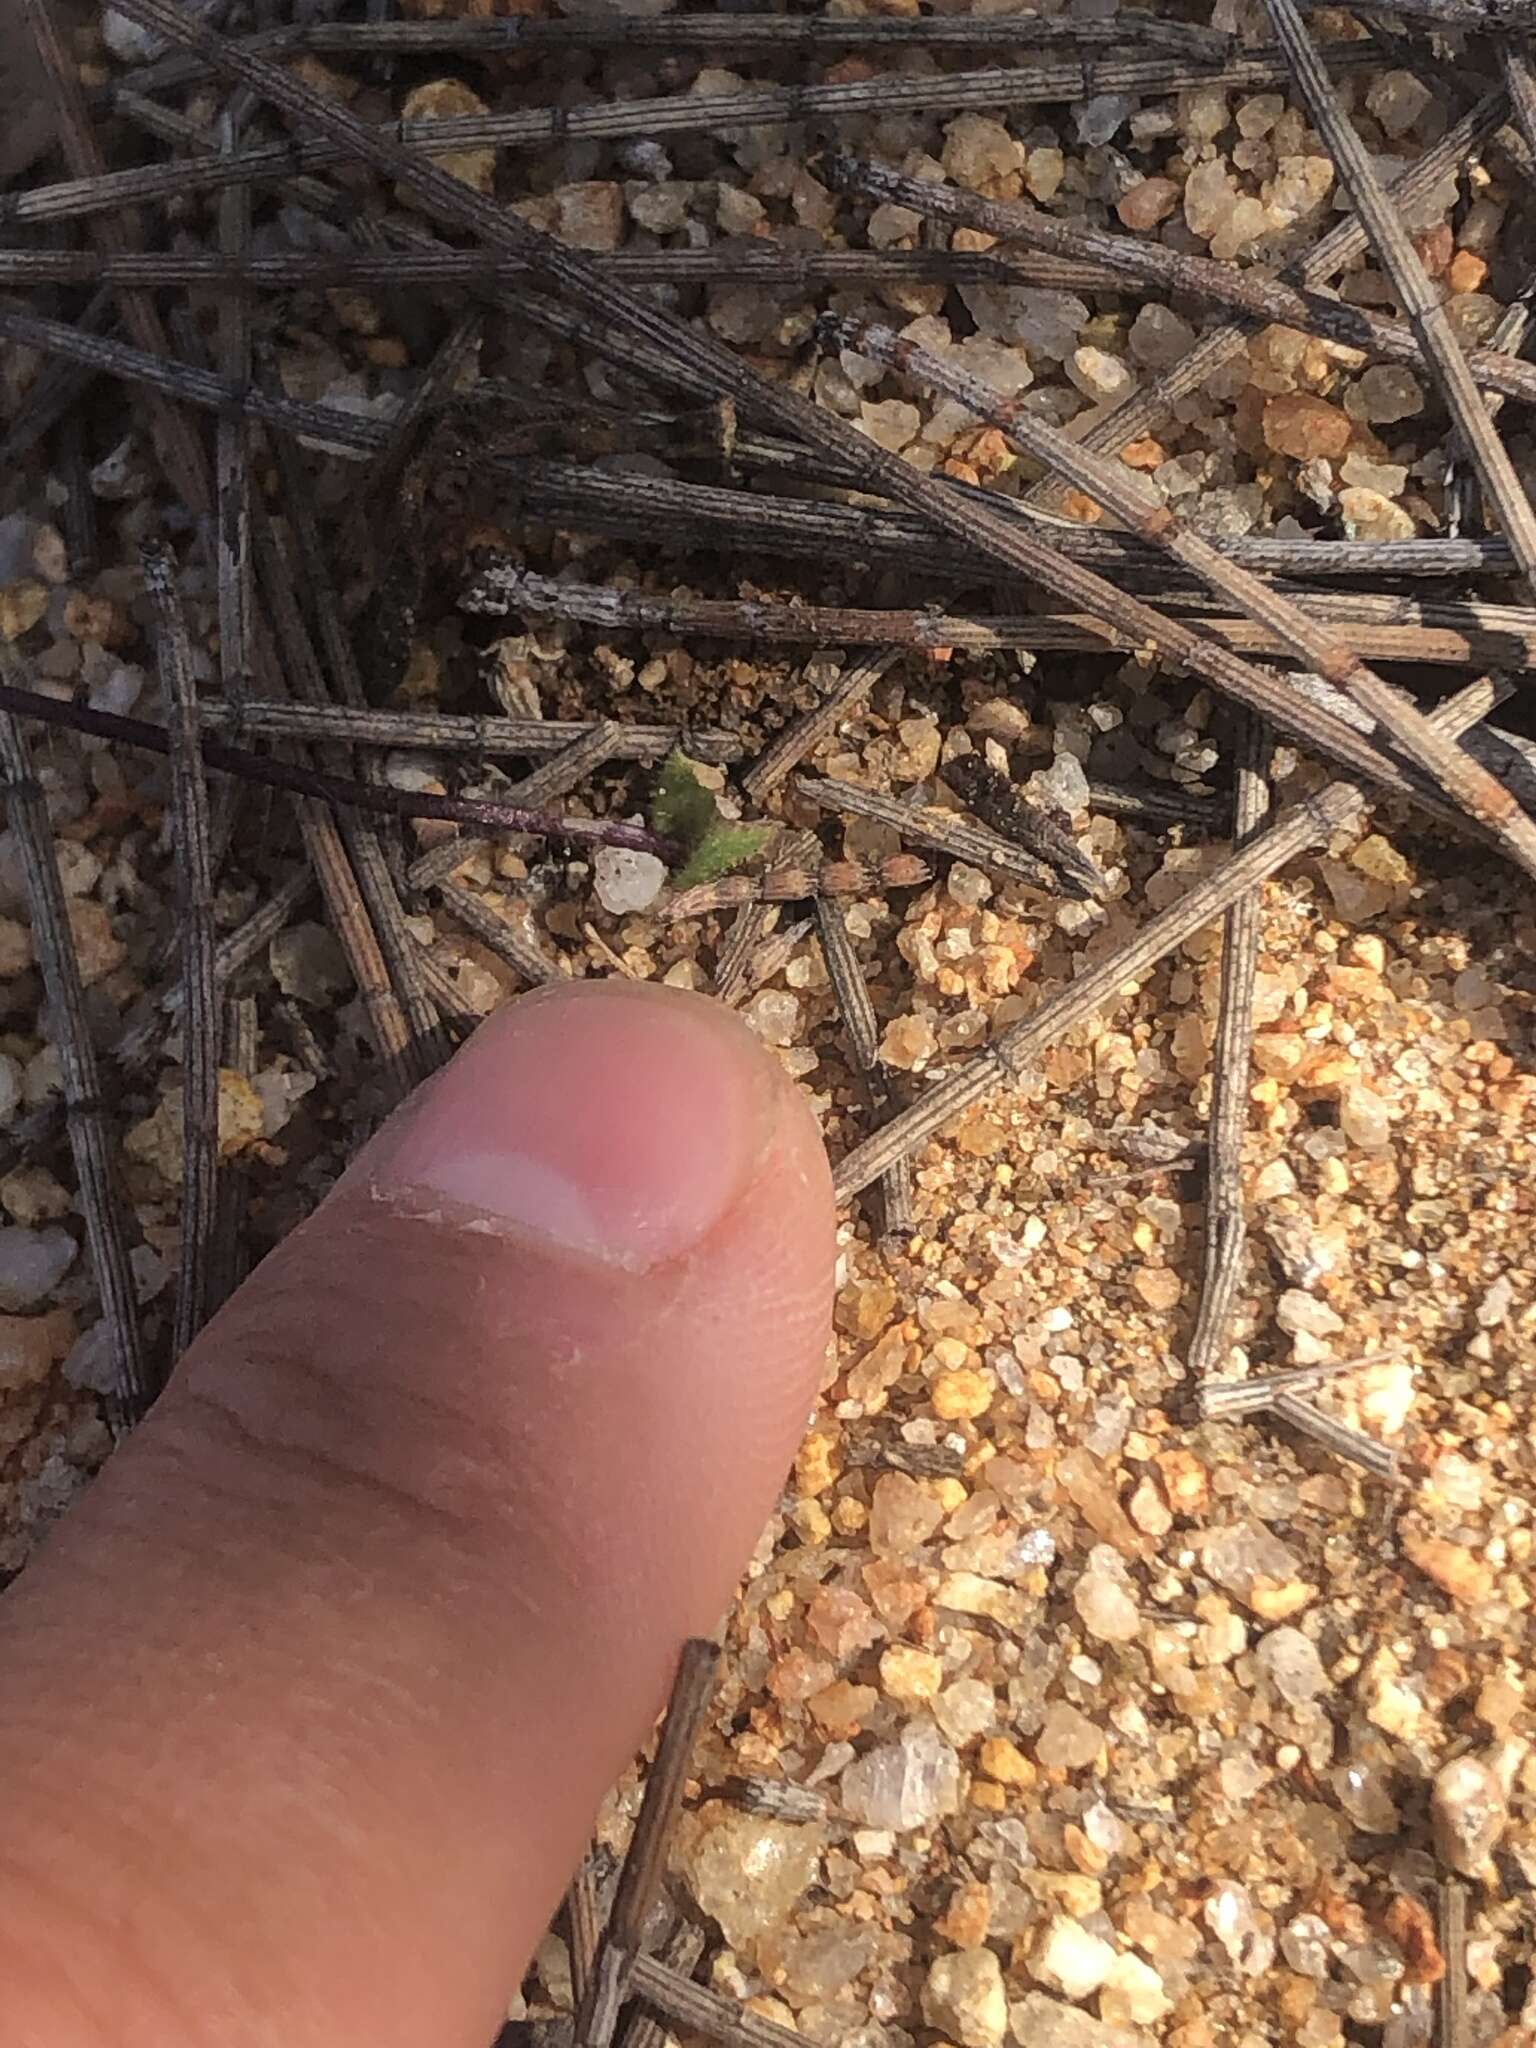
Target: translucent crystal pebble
(1159,337)
(1365,1793)
(965,1710)
(1290,1662)
(1363,1119)
(1068,1740)
(1230,1915)
(1469,1813)
(903,1785)
(32,1263)
(1063,786)
(902,1516)
(1071,1960)
(965,1998)
(1304,1943)
(749,1872)
(626,880)
(1100,119)
(1106,1608)
(1041,2021)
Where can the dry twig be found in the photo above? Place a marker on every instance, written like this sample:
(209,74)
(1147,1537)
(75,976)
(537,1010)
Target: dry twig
(92,1144)
(200,1030)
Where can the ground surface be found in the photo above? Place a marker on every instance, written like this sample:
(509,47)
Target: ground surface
(1111,1726)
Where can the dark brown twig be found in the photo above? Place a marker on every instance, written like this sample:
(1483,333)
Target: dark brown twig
(644,1866)
(194,902)
(337,790)
(135,1382)
(1231,1070)
(228,1260)
(1411,286)
(998,804)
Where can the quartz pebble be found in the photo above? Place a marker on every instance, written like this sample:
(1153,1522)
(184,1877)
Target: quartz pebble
(32,1263)
(1106,1608)
(1290,1662)
(749,1872)
(905,1784)
(627,881)
(964,1996)
(1039,2021)
(1071,1960)
(1469,1813)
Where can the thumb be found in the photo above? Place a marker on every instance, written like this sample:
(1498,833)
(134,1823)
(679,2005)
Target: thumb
(306,1711)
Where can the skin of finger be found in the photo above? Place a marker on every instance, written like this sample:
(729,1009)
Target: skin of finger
(306,1711)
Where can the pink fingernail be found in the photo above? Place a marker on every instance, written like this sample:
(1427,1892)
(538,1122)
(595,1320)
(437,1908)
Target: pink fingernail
(617,1119)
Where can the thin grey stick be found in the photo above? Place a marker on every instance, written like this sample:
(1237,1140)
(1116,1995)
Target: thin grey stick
(363,836)
(1455,2030)
(670,512)
(863,1033)
(769,33)
(233,953)
(194,901)
(559,773)
(1377,1458)
(232,445)
(585,1911)
(1217,1399)
(229,1261)
(473,733)
(424,261)
(1155,399)
(644,1865)
(513,943)
(1129,497)
(1145,262)
(92,1143)
(1226,1228)
(885,95)
(1008,1059)
(1510,333)
(443,860)
(788,748)
(59,385)
(114,236)
(695,2008)
(1411,287)
(945,831)
(679,1953)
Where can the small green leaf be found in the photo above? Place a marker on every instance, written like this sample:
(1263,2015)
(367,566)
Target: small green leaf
(722,848)
(682,807)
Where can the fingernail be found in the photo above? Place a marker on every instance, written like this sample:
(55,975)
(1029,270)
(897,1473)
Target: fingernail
(618,1120)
